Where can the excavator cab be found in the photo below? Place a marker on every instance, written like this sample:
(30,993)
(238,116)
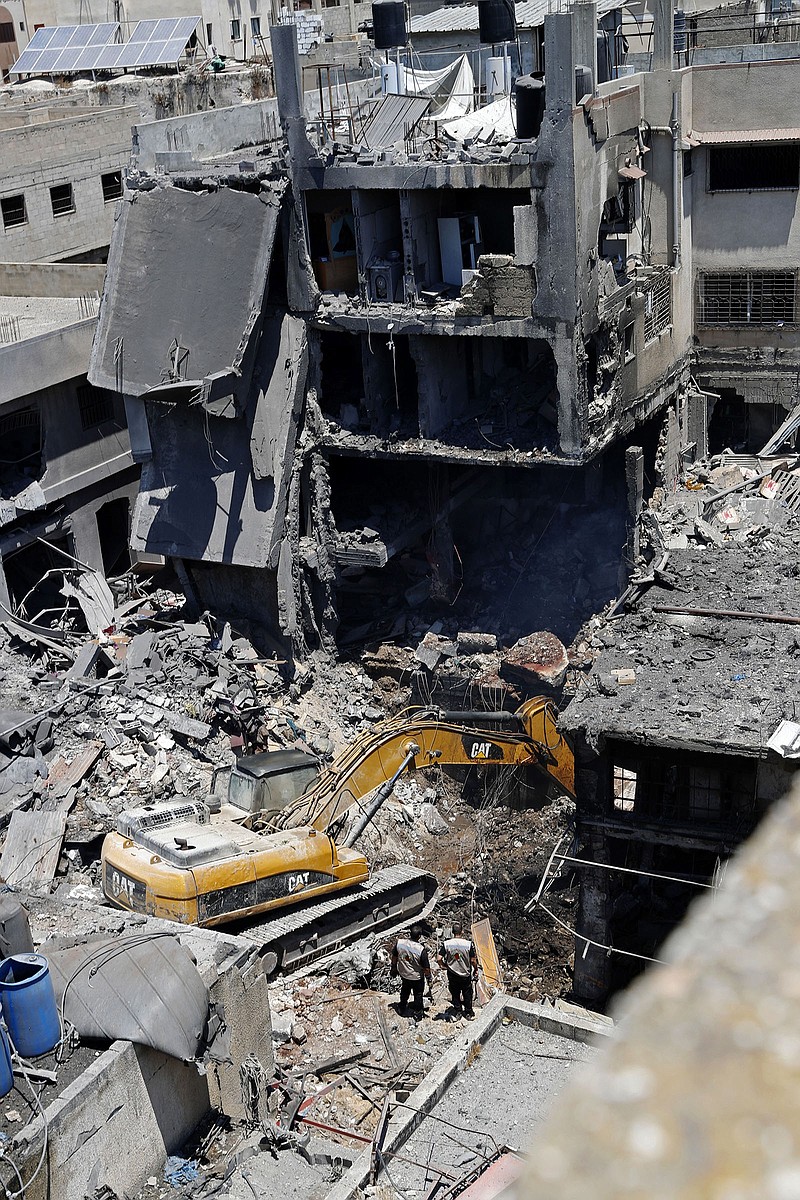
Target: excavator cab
(271,780)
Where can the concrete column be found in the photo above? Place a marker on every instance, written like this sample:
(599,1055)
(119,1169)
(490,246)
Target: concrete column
(286,68)
(86,538)
(572,410)
(663,34)
(138,429)
(697,422)
(634,481)
(591,976)
(289,91)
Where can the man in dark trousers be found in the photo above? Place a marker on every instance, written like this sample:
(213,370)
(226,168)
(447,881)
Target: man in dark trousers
(410,961)
(458,957)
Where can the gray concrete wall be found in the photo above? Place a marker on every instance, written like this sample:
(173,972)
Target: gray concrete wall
(115,1125)
(77,150)
(30,366)
(206,134)
(50,279)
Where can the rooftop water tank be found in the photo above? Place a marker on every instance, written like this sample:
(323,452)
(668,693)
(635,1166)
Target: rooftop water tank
(529,95)
(496,22)
(389,24)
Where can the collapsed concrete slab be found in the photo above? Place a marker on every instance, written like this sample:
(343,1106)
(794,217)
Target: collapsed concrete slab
(184,288)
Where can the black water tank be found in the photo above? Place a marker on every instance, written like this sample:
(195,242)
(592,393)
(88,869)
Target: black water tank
(496,22)
(605,66)
(389,24)
(584,83)
(529,95)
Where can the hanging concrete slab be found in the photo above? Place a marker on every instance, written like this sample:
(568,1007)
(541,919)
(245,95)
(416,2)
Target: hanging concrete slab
(186,278)
(142,989)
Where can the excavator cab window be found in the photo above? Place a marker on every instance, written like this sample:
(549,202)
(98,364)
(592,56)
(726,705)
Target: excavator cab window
(271,780)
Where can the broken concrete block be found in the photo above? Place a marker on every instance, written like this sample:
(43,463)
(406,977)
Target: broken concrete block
(188,726)
(433,820)
(536,661)
(476,643)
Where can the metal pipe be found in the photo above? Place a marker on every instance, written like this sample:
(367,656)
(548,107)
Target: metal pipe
(677,207)
(489,718)
(383,793)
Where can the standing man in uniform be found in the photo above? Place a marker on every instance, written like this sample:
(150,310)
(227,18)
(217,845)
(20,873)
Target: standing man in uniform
(458,957)
(410,961)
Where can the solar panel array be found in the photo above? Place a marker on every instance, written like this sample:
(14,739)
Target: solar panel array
(151,44)
(70,48)
(65,48)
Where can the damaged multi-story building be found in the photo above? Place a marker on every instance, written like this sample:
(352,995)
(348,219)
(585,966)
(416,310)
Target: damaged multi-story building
(363,368)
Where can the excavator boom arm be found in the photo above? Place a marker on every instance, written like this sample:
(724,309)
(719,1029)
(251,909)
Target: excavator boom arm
(528,737)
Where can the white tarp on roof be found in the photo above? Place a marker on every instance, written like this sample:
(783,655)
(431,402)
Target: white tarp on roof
(452,89)
(496,118)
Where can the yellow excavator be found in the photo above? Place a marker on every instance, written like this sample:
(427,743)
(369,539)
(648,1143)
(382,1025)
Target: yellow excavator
(279,836)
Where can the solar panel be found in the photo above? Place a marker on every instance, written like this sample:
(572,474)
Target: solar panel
(41,38)
(152,43)
(62,48)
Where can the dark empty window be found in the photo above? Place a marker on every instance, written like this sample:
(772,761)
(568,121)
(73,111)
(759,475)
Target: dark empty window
(746,297)
(753,168)
(236,30)
(112,185)
(7,31)
(62,200)
(13,210)
(255,26)
(96,406)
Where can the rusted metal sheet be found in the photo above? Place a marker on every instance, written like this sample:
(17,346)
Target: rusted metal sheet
(483,939)
(499,1175)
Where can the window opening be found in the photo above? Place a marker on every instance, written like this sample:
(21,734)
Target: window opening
(761,168)
(624,788)
(658,306)
(13,210)
(112,185)
(746,297)
(236,30)
(96,405)
(62,199)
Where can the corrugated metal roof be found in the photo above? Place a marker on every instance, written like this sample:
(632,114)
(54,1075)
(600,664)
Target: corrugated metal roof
(741,137)
(393,118)
(463,18)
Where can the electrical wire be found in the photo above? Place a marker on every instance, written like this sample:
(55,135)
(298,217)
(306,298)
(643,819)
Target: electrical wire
(591,942)
(46,1132)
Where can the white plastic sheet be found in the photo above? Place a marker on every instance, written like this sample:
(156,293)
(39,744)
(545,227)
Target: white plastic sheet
(451,89)
(496,118)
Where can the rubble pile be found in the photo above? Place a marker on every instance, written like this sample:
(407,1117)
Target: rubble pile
(150,707)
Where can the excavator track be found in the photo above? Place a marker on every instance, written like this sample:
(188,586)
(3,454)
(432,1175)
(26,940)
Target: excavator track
(389,900)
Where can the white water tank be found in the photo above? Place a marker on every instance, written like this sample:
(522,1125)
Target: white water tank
(498,77)
(389,79)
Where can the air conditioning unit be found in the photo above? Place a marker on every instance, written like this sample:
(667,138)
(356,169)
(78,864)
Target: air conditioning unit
(383,281)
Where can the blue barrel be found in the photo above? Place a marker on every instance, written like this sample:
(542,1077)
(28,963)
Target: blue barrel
(6,1073)
(29,1004)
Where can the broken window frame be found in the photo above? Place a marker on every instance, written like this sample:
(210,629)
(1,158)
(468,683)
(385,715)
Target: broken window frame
(111,183)
(754,167)
(9,220)
(95,405)
(63,203)
(731,298)
(622,777)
